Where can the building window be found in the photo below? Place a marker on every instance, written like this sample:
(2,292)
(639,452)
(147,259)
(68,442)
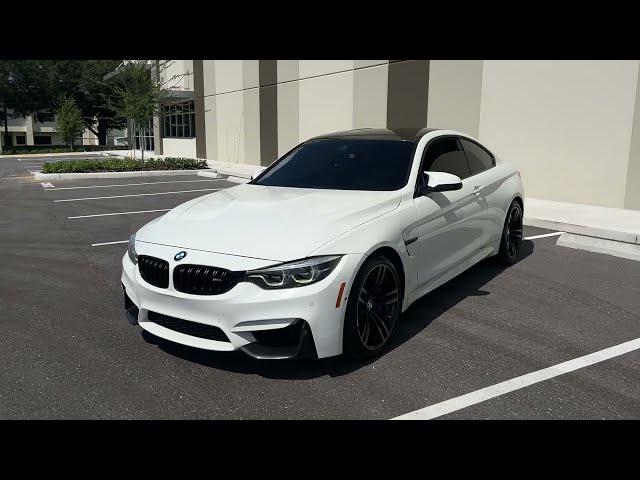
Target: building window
(144,137)
(21,139)
(42,140)
(179,120)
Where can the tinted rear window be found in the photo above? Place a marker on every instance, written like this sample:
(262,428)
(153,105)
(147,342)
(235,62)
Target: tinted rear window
(343,164)
(479,159)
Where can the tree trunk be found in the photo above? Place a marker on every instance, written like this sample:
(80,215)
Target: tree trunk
(102,134)
(5,143)
(132,136)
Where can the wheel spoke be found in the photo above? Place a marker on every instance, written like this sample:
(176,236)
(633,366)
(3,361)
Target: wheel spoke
(382,271)
(366,332)
(391,297)
(515,216)
(380,325)
(377,306)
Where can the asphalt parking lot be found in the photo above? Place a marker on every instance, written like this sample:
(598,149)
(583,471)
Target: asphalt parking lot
(67,351)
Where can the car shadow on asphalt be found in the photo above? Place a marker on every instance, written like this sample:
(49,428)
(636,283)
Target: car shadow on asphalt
(417,317)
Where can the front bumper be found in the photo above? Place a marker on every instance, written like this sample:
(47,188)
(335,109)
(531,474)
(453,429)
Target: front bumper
(263,323)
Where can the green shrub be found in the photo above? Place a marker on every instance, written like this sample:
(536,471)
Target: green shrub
(85,165)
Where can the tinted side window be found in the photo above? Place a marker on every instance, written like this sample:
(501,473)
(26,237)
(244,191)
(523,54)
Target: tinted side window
(479,159)
(446,156)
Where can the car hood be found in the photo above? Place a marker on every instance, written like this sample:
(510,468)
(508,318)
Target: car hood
(271,223)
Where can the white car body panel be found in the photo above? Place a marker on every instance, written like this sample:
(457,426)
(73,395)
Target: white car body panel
(267,222)
(435,237)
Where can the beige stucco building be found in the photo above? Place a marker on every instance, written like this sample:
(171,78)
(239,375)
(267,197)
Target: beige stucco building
(571,127)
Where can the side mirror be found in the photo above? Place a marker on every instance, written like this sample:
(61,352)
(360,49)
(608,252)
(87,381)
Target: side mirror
(442,182)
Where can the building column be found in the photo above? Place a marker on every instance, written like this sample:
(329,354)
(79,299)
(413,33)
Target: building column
(198,93)
(28,123)
(407,94)
(157,134)
(268,80)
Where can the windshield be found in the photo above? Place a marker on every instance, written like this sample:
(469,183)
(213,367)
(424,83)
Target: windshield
(343,164)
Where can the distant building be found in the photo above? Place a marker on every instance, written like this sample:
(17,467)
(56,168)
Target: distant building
(40,130)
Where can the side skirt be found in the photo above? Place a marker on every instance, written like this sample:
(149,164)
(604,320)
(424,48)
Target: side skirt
(448,275)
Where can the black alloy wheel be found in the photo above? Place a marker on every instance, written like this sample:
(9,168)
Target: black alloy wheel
(373,308)
(511,235)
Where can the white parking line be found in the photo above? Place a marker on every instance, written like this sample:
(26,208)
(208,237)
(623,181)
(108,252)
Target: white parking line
(135,184)
(544,235)
(120,213)
(137,195)
(108,243)
(463,401)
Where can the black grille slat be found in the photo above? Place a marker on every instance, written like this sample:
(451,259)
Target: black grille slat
(194,329)
(154,271)
(204,279)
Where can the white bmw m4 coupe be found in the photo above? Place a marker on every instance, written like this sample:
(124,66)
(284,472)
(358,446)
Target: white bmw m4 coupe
(323,250)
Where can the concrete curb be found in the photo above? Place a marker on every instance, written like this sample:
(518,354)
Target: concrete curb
(599,245)
(606,234)
(240,170)
(233,179)
(81,176)
(209,174)
(234,173)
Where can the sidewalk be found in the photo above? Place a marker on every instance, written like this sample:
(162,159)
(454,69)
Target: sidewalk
(612,231)
(601,222)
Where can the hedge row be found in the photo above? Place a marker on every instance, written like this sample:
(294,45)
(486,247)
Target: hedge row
(85,165)
(17,149)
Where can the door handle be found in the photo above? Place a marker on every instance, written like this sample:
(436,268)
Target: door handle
(477,189)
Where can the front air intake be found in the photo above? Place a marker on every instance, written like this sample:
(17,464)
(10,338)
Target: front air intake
(194,329)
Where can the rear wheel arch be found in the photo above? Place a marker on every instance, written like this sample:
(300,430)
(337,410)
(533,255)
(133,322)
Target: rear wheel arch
(518,199)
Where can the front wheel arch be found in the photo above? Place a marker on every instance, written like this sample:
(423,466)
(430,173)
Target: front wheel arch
(352,345)
(395,258)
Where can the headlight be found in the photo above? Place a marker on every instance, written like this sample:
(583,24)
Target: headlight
(131,249)
(293,274)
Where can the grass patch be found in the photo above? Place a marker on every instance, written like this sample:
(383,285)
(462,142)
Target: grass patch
(85,165)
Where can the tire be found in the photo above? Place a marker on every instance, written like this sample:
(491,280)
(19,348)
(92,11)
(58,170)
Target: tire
(373,309)
(511,241)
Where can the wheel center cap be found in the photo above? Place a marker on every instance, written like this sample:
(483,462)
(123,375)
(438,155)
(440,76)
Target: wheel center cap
(369,305)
